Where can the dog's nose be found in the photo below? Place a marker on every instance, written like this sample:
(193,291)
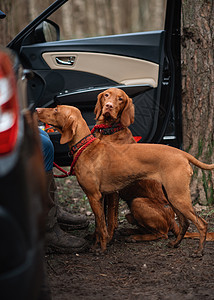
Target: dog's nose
(38,110)
(109,105)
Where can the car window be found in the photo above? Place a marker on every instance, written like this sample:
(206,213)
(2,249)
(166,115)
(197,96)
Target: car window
(80,19)
(88,18)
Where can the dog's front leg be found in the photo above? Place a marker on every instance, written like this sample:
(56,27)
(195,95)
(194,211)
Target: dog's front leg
(112,213)
(98,210)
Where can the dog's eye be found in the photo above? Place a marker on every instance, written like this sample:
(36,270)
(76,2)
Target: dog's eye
(106,95)
(55,109)
(120,98)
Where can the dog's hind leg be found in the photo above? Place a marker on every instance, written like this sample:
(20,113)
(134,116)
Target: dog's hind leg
(185,212)
(176,183)
(183,226)
(146,237)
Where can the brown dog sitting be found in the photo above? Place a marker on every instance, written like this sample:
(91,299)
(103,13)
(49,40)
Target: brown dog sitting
(150,210)
(103,168)
(149,207)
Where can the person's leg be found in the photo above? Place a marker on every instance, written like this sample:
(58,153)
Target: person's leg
(47,150)
(56,239)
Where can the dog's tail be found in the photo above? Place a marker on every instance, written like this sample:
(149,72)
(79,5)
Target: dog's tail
(195,235)
(198,163)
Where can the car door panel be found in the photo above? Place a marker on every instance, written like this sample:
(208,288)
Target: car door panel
(121,69)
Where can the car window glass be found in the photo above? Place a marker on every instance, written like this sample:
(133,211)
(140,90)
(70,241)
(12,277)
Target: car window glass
(88,18)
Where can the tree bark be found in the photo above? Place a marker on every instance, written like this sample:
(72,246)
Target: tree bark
(6,26)
(198,90)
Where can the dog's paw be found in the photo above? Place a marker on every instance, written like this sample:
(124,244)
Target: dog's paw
(130,240)
(124,232)
(197,254)
(96,250)
(172,244)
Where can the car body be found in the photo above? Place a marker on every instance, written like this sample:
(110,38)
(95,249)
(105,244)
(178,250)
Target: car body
(22,185)
(146,65)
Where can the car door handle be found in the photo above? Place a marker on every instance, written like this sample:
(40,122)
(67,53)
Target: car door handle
(65,60)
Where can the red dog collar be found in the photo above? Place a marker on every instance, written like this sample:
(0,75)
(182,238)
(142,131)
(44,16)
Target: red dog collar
(81,143)
(107,129)
(79,147)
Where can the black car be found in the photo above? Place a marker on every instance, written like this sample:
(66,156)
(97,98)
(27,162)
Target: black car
(22,187)
(146,65)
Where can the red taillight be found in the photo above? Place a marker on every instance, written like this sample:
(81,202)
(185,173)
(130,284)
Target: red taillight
(8,105)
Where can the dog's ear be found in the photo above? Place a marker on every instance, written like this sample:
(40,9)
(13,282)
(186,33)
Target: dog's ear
(98,107)
(127,116)
(68,130)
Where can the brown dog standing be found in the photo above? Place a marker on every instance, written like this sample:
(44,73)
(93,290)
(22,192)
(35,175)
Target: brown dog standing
(149,207)
(100,170)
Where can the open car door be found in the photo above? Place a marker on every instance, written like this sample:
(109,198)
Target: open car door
(146,65)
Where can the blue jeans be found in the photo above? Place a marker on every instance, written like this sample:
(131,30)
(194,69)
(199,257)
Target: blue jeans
(47,150)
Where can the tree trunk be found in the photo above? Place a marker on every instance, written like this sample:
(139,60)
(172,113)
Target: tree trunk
(198,91)
(6,26)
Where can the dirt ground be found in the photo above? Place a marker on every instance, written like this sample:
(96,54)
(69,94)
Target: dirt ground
(148,270)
